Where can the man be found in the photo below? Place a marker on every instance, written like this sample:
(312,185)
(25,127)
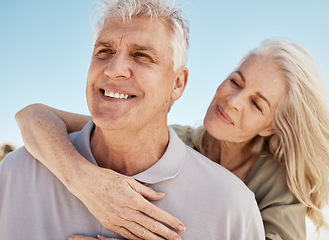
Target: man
(138,69)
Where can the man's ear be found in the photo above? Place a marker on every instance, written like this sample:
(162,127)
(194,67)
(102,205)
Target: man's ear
(179,83)
(267,132)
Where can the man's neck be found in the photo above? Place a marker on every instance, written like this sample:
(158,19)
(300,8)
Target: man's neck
(129,152)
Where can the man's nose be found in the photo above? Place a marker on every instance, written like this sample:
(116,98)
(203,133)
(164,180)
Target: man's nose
(118,67)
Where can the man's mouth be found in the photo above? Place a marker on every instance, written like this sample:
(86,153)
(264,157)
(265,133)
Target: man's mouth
(116,95)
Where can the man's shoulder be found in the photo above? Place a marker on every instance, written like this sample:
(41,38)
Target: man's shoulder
(211,168)
(16,159)
(219,195)
(17,168)
(208,173)
(216,176)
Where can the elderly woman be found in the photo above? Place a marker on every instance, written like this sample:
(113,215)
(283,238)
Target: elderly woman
(267,123)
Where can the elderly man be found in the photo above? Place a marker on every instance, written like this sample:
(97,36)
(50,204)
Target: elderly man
(133,80)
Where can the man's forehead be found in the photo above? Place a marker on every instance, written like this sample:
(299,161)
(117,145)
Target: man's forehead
(139,33)
(139,45)
(137,23)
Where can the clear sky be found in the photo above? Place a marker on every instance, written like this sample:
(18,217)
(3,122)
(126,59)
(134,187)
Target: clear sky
(45,48)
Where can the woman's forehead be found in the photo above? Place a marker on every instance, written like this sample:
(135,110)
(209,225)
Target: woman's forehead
(264,76)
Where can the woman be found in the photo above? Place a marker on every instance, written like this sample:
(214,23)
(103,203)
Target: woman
(267,123)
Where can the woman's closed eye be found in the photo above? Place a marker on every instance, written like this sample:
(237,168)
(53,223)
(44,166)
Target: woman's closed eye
(235,83)
(256,105)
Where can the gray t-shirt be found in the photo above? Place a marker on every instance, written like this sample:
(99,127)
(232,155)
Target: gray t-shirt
(210,200)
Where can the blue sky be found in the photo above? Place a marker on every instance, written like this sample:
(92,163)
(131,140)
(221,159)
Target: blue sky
(45,48)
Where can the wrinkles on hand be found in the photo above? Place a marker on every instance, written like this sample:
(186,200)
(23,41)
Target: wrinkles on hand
(121,205)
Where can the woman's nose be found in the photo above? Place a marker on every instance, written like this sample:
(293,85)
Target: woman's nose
(235,101)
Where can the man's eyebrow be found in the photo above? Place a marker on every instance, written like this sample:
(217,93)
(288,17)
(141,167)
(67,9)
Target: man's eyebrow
(148,49)
(143,48)
(104,44)
(138,47)
(258,93)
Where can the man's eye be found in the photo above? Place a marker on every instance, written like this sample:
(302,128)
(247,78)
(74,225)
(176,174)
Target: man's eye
(143,57)
(109,51)
(104,52)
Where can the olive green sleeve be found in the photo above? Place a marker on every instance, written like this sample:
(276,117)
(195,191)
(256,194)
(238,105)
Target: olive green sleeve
(283,215)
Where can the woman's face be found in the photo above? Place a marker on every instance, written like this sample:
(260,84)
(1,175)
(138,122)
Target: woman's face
(244,104)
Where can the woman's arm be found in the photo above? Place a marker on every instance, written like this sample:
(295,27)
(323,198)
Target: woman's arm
(123,208)
(44,132)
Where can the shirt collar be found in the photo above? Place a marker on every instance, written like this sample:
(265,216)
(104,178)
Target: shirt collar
(168,166)
(81,140)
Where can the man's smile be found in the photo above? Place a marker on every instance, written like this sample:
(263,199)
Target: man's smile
(116,94)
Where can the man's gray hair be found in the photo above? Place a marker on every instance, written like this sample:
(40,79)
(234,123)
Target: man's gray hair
(156,9)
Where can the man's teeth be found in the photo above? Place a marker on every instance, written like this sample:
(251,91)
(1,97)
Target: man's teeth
(115,95)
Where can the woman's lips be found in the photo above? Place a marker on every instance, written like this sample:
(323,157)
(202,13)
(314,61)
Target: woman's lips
(224,116)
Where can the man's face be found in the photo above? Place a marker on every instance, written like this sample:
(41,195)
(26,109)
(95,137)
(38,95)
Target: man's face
(131,77)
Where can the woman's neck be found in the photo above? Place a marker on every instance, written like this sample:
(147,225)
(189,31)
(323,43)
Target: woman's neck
(235,157)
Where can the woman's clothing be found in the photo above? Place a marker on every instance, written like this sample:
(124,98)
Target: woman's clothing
(283,215)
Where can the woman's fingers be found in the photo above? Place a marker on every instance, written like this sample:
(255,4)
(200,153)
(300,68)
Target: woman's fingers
(126,233)
(146,192)
(100,237)
(162,216)
(149,228)
(80,237)
(153,211)
(117,202)
(140,232)
(133,224)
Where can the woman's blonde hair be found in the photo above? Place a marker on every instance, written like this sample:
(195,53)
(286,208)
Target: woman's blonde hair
(301,123)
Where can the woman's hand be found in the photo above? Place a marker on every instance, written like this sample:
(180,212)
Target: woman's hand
(80,237)
(119,203)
